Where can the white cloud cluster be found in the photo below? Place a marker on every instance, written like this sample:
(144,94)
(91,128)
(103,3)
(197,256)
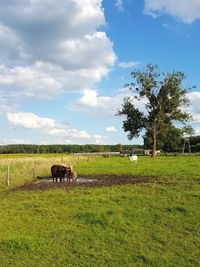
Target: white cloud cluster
(186,11)
(98,138)
(194,107)
(68,133)
(30,121)
(91,102)
(4,105)
(49,47)
(111,129)
(28,82)
(50,127)
(197,131)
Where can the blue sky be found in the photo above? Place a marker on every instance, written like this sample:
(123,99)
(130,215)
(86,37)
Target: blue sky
(63,64)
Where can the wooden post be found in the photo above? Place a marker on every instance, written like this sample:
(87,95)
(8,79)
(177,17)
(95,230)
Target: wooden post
(8,176)
(61,160)
(34,169)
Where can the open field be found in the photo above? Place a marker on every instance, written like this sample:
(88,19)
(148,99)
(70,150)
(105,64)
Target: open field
(143,224)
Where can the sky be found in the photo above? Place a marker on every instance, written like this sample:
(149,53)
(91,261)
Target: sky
(63,64)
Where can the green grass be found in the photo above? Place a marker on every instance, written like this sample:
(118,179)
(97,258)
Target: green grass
(153,224)
(173,166)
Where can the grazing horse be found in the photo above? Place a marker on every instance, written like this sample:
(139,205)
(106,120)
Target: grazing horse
(60,171)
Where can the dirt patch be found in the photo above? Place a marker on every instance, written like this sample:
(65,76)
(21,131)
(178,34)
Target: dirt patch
(87,181)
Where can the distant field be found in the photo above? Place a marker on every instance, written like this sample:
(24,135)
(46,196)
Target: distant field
(152,224)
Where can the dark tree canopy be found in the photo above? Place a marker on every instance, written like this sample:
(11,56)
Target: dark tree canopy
(164,96)
(169,139)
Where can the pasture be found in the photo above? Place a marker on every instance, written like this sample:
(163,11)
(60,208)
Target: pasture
(155,223)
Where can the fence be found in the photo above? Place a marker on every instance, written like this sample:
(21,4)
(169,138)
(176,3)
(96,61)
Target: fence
(18,171)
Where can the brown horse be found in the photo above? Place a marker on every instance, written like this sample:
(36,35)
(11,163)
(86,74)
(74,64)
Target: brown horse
(60,171)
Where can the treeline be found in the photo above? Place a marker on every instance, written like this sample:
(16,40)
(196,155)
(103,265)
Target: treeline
(42,149)
(195,144)
(171,145)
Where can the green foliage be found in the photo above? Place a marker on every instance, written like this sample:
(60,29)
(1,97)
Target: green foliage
(164,95)
(169,139)
(42,149)
(135,120)
(195,144)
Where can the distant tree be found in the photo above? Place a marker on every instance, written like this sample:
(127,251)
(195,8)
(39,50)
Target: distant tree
(101,148)
(169,139)
(164,96)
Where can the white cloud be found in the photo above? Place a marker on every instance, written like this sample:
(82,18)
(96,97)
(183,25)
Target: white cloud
(5,105)
(111,129)
(130,64)
(194,107)
(91,102)
(28,82)
(52,47)
(186,11)
(68,132)
(46,125)
(119,5)
(30,120)
(197,131)
(45,81)
(98,138)
(89,98)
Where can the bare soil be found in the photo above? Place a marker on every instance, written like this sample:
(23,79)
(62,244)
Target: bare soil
(46,183)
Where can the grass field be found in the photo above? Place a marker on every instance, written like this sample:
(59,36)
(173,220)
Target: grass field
(153,224)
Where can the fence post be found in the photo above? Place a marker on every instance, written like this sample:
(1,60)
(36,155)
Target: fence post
(34,169)
(61,160)
(8,176)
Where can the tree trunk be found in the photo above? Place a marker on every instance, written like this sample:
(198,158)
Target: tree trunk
(154,139)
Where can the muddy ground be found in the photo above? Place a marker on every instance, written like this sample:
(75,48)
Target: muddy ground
(45,183)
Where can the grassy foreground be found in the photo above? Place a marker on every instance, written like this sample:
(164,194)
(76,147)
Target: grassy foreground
(155,224)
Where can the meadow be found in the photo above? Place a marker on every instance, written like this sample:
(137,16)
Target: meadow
(151,224)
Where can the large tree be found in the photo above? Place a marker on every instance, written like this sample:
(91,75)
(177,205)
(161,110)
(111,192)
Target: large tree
(168,140)
(164,98)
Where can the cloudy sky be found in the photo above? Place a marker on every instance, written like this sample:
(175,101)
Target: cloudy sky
(63,64)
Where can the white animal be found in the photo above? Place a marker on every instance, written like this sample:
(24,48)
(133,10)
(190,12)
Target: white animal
(133,158)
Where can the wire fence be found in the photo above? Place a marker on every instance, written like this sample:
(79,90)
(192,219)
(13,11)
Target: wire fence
(14,172)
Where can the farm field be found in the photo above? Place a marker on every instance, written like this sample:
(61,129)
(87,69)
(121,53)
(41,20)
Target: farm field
(143,224)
